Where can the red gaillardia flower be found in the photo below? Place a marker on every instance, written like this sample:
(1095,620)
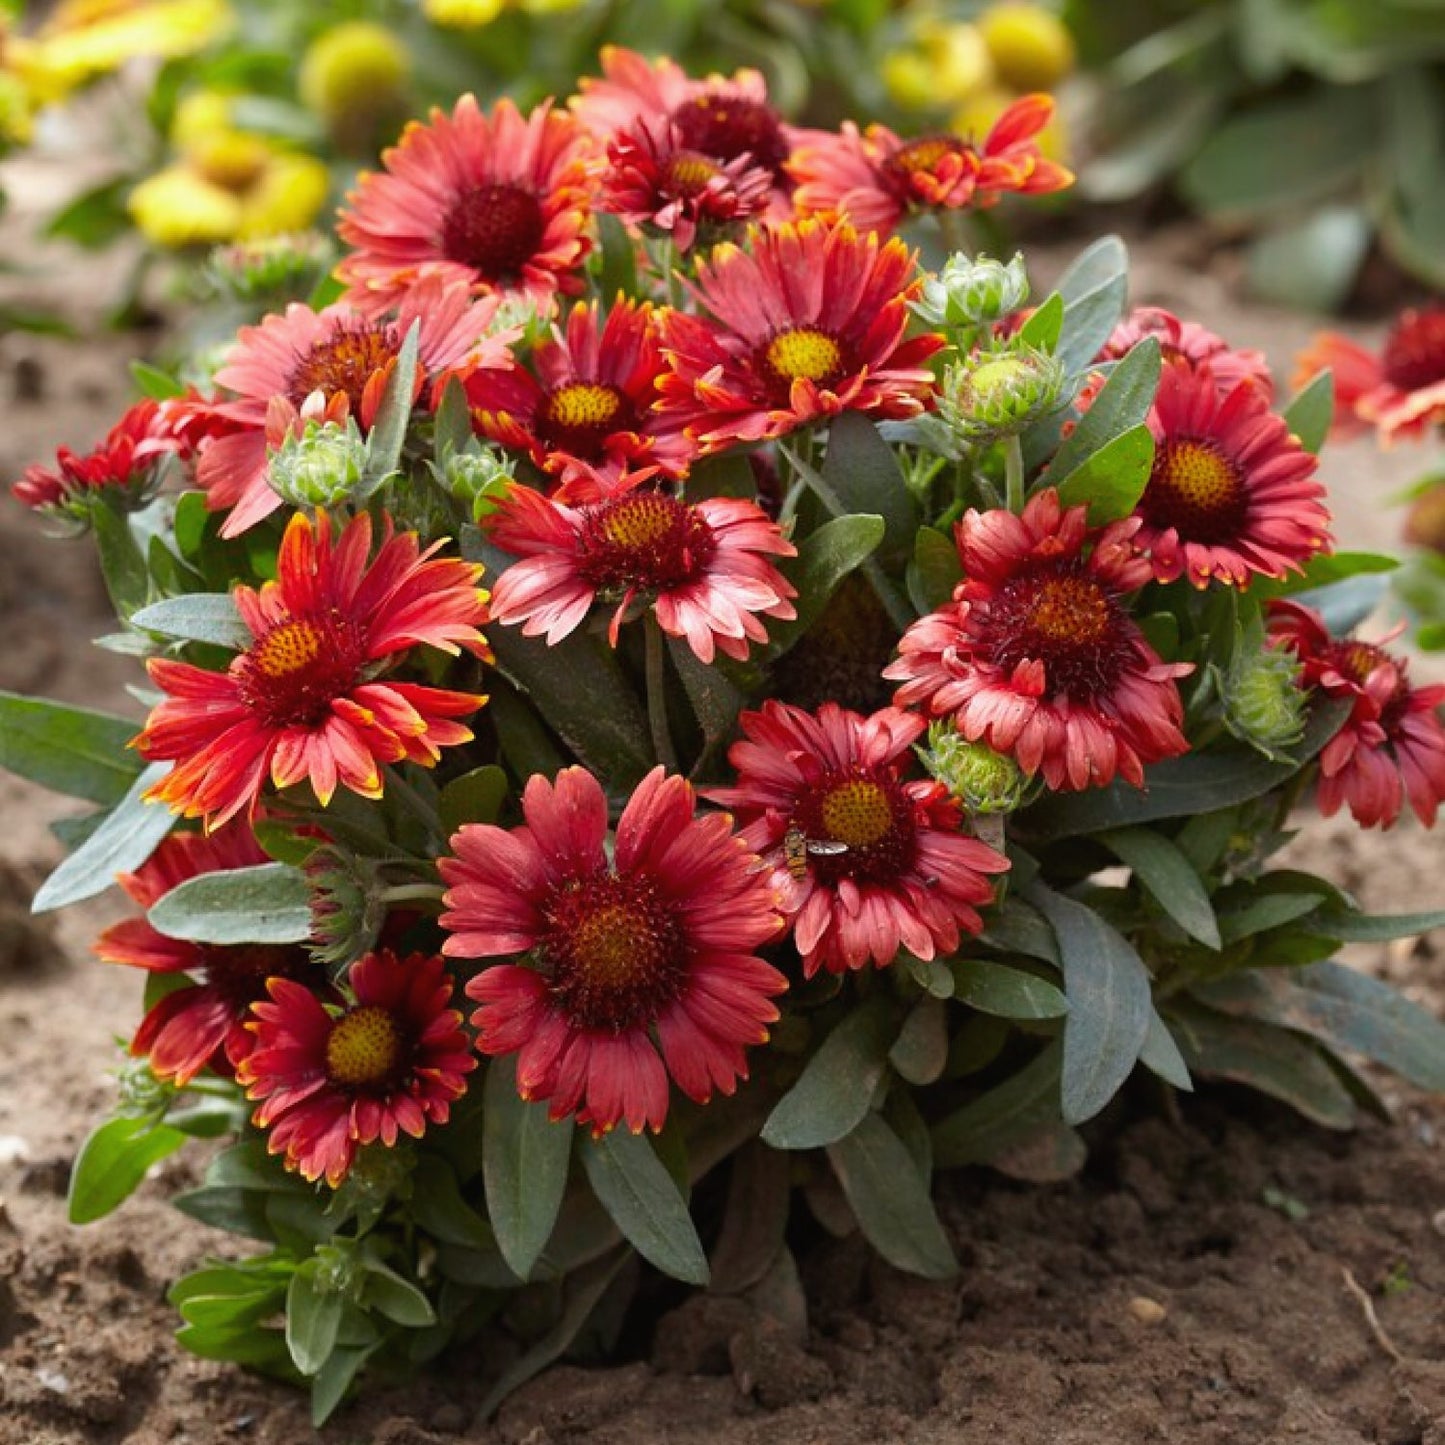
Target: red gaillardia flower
(1391,749)
(641,966)
(499,202)
(1232,492)
(704,565)
(1037,655)
(1400,390)
(584,405)
(1191,342)
(202,1022)
(904,876)
(721,118)
(331,1079)
(123,462)
(330,364)
(654,180)
(810,322)
(873,178)
(306,701)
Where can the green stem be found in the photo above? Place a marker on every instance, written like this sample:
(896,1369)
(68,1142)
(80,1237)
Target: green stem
(955,233)
(408,796)
(413,893)
(1013,472)
(657,695)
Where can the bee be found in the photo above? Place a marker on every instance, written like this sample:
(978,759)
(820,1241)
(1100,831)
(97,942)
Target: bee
(797,845)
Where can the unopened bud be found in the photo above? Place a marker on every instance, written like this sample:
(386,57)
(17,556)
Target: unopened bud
(272,266)
(999,394)
(478,477)
(355,77)
(973,293)
(981,779)
(141,1092)
(1263,702)
(347,911)
(320,467)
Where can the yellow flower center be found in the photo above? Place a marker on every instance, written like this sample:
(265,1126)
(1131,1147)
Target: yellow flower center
(804,354)
(1069,609)
(924,154)
(640,522)
(582,405)
(289,648)
(688,172)
(364,1047)
(857,813)
(233,162)
(1199,476)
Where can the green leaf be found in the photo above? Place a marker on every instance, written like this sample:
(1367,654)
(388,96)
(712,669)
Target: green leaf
(267,903)
(890,1200)
(335,1378)
(1111,480)
(1110,1001)
(1161,1055)
(715,698)
(935,571)
(1169,877)
(1310,262)
(1042,329)
(475,797)
(96,217)
(920,1051)
(1095,292)
(754,1219)
(524,1166)
(153,382)
(1350,927)
(387,437)
(396,1297)
(618,273)
(452,420)
(1273,1060)
(645,1204)
(1010,993)
(1122,404)
(438,1207)
(1246,909)
(825,557)
(122,564)
(70,750)
(861,474)
(1014,927)
(1005,1116)
(836,1086)
(124,841)
(199,617)
(313,1320)
(113,1161)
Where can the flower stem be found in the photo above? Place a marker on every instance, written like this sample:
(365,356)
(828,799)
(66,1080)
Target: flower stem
(413,893)
(657,695)
(1013,472)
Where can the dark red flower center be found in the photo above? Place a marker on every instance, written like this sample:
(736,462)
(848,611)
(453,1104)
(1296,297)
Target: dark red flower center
(869,814)
(295,670)
(1063,618)
(1197,489)
(644,541)
(366,1049)
(344,363)
(580,416)
(1414,355)
(801,353)
(238,972)
(615,952)
(494,229)
(729,126)
(688,174)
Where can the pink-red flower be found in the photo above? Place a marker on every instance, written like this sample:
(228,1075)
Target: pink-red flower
(654,180)
(1399,390)
(202,1022)
(642,964)
(1391,749)
(1190,342)
(874,178)
(809,322)
(499,202)
(307,699)
(1232,493)
(582,407)
(123,463)
(704,566)
(1037,654)
(331,1078)
(905,876)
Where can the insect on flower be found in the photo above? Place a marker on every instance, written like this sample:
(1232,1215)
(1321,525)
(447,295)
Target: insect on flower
(797,845)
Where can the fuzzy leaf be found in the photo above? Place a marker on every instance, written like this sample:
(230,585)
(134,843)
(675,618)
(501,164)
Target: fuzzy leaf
(1349,927)
(920,1051)
(1122,403)
(475,797)
(825,557)
(1111,480)
(861,472)
(313,1320)
(1161,1056)
(1043,327)
(1010,993)
(1005,1116)
(69,750)
(1095,291)
(1169,877)
(387,436)
(199,617)
(112,1162)
(267,903)
(935,570)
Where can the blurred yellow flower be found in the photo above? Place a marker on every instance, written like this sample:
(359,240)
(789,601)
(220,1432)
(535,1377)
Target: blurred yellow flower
(462,14)
(945,64)
(86,38)
(229,186)
(355,77)
(1031,47)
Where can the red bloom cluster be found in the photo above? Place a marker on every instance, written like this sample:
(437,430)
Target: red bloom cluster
(123,462)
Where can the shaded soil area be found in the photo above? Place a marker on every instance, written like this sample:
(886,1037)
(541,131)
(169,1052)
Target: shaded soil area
(1223,1275)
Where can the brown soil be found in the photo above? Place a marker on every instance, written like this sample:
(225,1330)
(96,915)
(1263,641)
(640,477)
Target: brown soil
(1227,1277)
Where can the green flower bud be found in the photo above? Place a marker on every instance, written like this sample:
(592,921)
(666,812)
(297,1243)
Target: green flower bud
(982,780)
(270,266)
(973,292)
(338,1269)
(140,1091)
(322,466)
(999,393)
(1264,704)
(347,912)
(478,477)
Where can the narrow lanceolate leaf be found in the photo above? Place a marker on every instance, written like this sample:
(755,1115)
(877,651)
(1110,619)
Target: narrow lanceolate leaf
(835,1088)
(388,430)
(1309,415)
(113,1161)
(199,617)
(645,1204)
(860,472)
(1095,290)
(1111,480)
(1351,927)
(1122,403)
(1161,1055)
(69,750)
(313,1320)
(1169,878)
(825,557)
(475,797)
(524,1166)
(1010,993)
(890,1199)
(716,700)
(1043,327)
(1109,996)
(127,837)
(1006,1116)
(268,903)
(936,569)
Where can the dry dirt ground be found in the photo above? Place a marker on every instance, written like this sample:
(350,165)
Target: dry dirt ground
(1190,1287)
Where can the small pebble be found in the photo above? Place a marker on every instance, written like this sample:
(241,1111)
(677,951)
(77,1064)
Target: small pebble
(1147,1311)
(13,1150)
(1438,1221)
(53,1380)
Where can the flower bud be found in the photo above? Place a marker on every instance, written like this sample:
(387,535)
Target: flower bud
(462,14)
(974,292)
(997,394)
(355,77)
(320,467)
(141,1092)
(1030,47)
(284,265)
(1263,702)
(478,477)
(982,780)
(347,912)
